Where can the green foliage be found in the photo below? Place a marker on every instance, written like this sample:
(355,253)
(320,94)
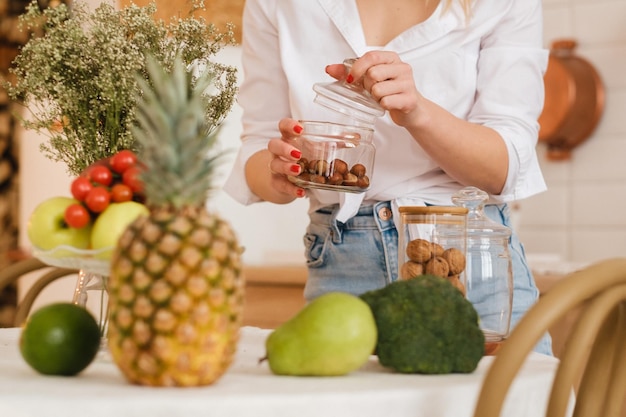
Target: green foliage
(174,137)
(79,78)
(425,325)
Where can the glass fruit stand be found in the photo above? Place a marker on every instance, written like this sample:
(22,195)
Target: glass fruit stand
(93,271)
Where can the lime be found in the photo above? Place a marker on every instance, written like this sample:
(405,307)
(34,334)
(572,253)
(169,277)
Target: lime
(60,339)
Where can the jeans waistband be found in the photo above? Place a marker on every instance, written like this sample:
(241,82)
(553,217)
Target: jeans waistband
(376,216)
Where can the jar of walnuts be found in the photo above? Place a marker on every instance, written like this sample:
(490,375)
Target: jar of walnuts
(432,240)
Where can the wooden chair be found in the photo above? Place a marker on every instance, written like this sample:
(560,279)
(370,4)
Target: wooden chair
(594,359)
(14,272)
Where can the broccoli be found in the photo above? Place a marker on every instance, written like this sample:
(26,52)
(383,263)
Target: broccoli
(426,326)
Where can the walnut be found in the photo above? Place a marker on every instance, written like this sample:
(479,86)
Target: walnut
(437,266)
(411,269)
(455,259)
(437,249)
(456,282)
(419,250)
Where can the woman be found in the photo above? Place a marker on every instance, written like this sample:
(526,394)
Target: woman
(462,85)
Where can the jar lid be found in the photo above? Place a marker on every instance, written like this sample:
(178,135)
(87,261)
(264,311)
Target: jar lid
(478,224)
(351,100)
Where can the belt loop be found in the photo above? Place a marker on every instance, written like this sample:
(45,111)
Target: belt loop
(336,228)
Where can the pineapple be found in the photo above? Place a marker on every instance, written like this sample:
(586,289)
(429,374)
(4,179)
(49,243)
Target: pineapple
(175,286)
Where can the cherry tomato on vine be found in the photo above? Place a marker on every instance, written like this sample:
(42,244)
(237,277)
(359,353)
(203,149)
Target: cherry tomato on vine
(130,177)
(76,216)
(80,187)
(101,175)
(98,199)
(123,160)
(121,192)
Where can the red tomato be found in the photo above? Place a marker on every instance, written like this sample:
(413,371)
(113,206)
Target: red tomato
(123,160)
(76,216)
(121,192)
(98,199)
(80,187)
(130,177)
(101,175)
(100,162)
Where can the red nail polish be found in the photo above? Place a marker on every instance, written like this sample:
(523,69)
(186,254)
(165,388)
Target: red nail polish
(349,78)
(300,192)
(297,129)
(296,154)
(295,168)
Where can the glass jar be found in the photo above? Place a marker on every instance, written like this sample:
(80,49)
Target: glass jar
(338,153)
(335,157)
(349,99)
(432,240)
(489,268)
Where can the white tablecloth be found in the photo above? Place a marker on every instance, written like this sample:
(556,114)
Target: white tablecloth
(250,389)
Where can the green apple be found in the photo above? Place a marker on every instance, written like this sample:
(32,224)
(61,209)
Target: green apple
(47,229)
(112,222)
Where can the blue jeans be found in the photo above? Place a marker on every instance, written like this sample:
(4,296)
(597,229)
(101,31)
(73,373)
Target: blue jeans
(362,255)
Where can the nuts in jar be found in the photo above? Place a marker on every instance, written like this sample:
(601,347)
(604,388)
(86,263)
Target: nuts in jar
(335,157)
(431,258)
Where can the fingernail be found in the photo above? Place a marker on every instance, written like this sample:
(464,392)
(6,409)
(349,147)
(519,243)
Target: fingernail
(297,129)
(326,68)
(300,192)
(295,168)
(349,78)
(295,153)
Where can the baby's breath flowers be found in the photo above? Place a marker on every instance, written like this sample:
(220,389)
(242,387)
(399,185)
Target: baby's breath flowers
(78,79)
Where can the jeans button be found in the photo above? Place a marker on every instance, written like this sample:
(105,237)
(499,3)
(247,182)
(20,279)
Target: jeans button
(384,213)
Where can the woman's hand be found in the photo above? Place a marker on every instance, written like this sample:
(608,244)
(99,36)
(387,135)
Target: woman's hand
(389,81)
(267,171)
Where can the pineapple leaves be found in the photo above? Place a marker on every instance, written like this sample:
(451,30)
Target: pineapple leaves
(174,136)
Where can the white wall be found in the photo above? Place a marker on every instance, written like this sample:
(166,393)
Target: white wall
(581,217)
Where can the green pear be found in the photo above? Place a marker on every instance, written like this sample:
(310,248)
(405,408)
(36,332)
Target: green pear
(334,334)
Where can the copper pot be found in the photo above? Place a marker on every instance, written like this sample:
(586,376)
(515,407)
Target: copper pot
(574,101)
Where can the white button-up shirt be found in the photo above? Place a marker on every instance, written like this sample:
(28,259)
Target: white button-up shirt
(487,70)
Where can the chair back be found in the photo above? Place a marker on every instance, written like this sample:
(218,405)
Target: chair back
(594,358)
(12,273)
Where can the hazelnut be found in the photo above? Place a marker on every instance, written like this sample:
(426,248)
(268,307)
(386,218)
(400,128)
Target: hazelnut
(411,269)
(437,266)
(363,182)
(358,170)
(318,179)
(304,176)
(335,179)
(304,165)
(350,179)
(455,259)
(419,250)
(339,166)
(456,282)
(318,167)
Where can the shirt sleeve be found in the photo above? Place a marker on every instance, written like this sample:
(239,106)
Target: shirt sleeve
(262,111)
(510,93)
